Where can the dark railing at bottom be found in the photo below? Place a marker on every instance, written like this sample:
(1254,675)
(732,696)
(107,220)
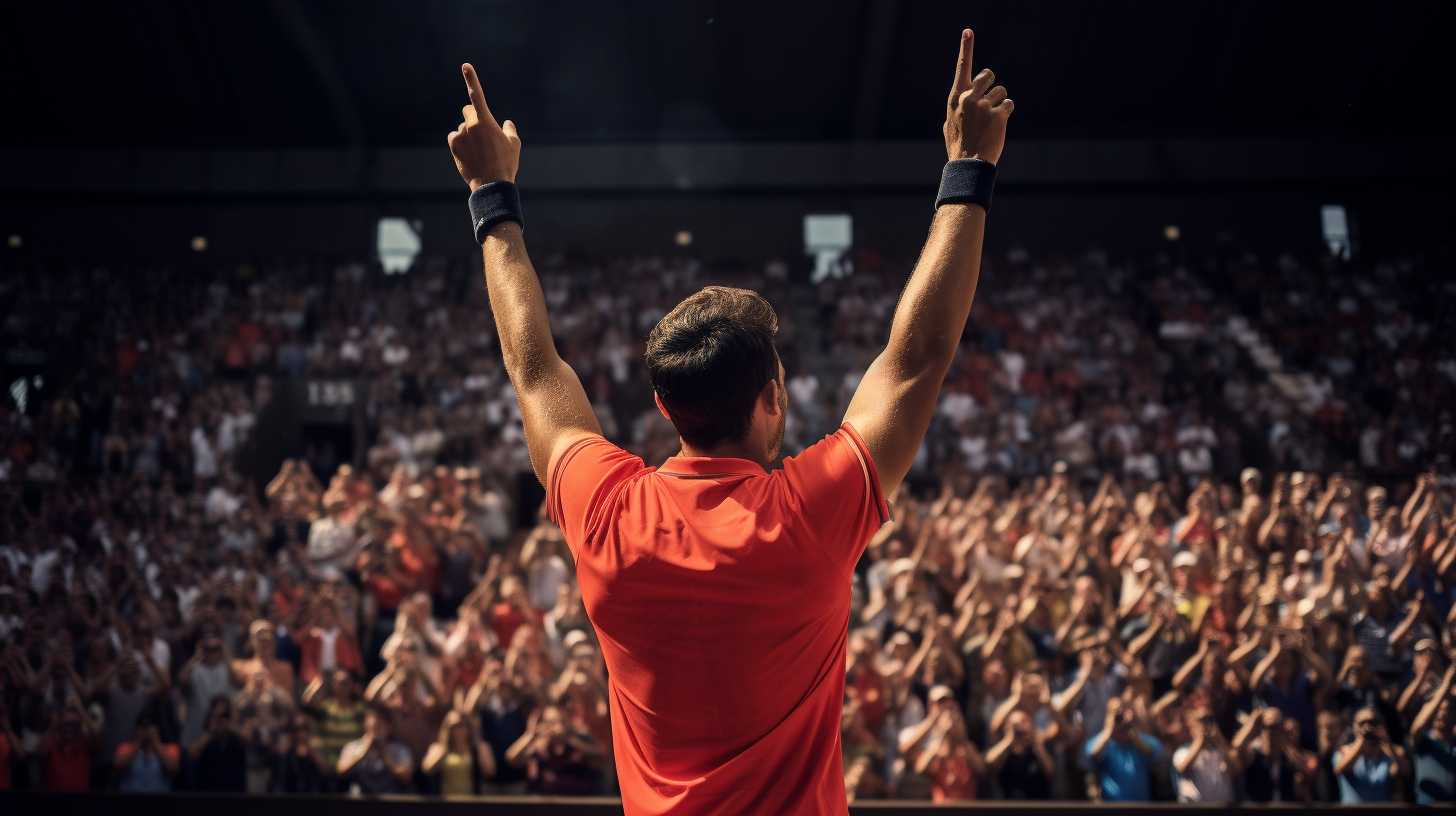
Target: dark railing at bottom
(193,804)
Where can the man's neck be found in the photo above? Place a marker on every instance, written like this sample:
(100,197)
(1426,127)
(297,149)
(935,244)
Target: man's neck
(735,450)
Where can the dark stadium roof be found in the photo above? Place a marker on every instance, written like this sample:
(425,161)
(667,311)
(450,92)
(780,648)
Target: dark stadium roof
(289,73)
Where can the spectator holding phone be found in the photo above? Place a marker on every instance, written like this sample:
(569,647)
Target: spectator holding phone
(458,760)
(1023,768)
(1433,745)
(556,759)
(1369,767)
(1121,755)
(1207,765)
(204,676)
(65,754)
(338,714)
(377,763)
(218,758)
(948,758)
(145,764)
(295,765)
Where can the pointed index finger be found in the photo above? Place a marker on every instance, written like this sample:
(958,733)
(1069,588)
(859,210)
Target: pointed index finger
(962,79)
(477,96)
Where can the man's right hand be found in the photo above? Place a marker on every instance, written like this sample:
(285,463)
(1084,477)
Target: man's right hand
(976,111)
(484,151)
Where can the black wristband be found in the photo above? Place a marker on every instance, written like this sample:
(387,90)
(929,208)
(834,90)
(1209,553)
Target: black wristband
(493,203)
(967,181)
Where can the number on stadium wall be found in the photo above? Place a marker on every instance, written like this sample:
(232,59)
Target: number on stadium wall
(330,393)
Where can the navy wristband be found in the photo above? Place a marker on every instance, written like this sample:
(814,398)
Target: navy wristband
(967,181)
(493,203)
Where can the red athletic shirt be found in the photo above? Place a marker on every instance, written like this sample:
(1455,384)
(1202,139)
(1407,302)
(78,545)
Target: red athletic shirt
(720,594)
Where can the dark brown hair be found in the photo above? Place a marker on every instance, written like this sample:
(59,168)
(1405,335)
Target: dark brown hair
(709,358)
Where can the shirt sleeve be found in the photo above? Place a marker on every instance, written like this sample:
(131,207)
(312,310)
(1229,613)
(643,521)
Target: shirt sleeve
(580,480)
(837,492)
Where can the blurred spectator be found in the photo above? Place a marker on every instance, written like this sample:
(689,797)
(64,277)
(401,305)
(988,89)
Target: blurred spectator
(10,750)
(1433,745)
(557,759)
(338,714)
(146,764)
(1275,769)
(1368,766)
(219,757)
(67,750)
(1123,756)
(1023,766)
(1207,765)
(458,759)
(295,767)
(204,677)
(376,763)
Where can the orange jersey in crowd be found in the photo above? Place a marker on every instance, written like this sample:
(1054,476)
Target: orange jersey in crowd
(720,594)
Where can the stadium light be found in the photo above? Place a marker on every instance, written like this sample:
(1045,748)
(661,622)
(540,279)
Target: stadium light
(398,243)
(1335,224)
(827,237)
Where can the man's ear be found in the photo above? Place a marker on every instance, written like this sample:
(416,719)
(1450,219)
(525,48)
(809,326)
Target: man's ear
(661,409)
(770,396)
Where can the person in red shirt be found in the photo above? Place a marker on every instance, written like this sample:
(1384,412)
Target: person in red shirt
(66,752)
(718,584)
(510,610)
(9,748)
(949,759)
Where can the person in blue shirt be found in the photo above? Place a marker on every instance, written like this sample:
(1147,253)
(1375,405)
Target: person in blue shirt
(1122,756)
(1370,766)
(1433,745)
(1289,678)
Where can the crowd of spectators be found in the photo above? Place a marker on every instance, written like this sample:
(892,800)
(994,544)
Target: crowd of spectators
(1086,590)
(1374,342)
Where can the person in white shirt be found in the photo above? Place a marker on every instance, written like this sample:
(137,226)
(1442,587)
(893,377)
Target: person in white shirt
(204,458)
(202,678)
(546,570)
(1206,765)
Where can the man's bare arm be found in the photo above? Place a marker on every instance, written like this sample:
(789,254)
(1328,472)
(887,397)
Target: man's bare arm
(554,406)
(893,405)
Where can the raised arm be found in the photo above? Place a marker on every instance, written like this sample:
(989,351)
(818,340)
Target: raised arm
(1428,711)
(554,406)
(892,407)
(1263,667)
(1190,667)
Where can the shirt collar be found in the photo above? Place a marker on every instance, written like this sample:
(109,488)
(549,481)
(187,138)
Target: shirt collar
(709,467)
